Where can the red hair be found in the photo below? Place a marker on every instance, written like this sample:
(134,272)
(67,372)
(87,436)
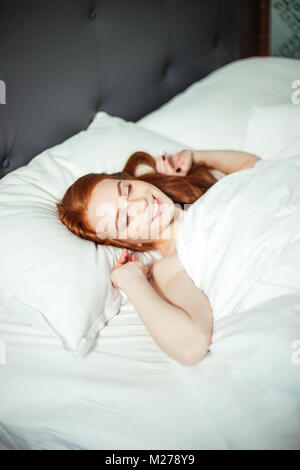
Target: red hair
(72,209)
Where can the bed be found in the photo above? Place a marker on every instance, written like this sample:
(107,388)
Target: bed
(123,78)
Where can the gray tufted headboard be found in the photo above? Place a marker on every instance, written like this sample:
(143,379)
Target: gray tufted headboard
(61,61)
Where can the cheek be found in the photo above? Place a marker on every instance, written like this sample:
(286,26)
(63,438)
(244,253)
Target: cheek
(105,227)
(138,228)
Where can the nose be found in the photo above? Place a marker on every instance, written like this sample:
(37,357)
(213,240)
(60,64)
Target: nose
(139,205)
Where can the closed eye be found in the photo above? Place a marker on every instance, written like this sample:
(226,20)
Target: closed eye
(129,190)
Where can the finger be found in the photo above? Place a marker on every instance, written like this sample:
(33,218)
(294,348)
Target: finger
(123,256)
(160,166)
(119,264)
(182,163)
(164,166)
(167,167)
(180,166)
(175,164)
(181,172)
(157,165)
(124,252)
(176,160)
(133,257)
(126,257)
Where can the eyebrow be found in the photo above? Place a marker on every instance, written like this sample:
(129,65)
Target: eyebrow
(117,215)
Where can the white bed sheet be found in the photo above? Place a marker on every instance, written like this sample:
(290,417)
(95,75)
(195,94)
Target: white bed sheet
(127,394)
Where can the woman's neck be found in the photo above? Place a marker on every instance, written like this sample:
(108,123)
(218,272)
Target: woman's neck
(167,245)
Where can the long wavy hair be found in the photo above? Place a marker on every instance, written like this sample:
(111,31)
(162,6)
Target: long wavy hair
(72,209)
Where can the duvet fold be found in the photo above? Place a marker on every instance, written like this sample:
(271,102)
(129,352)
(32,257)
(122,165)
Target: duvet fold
(240,242)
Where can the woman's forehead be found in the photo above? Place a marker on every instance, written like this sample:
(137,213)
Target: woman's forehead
(104,193)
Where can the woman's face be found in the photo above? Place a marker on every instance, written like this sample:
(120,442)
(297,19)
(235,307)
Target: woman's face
(129,210)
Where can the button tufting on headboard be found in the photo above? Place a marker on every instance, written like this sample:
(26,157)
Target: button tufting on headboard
(92,14)
(216,39)
(5,164)
(166,67)
(142,53)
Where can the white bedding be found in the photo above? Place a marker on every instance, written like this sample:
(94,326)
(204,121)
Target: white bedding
(127,394)
(244,395)
(240,242)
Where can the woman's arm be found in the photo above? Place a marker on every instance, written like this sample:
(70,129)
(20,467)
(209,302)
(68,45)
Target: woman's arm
(174,284)
(180,334)
(227,161)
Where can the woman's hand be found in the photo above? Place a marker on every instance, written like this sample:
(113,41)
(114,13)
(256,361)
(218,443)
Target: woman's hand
(178,164)
(127,269)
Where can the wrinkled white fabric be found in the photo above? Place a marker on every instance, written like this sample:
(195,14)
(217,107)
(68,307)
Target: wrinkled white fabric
(240,242)
(243,395)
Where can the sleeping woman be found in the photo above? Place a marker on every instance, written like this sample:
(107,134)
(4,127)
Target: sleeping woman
(143,213)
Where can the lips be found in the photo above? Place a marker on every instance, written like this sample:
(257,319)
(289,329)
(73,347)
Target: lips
(157,207)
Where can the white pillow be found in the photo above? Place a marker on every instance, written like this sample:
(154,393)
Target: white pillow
(273,131)
(213,112)
(49,277)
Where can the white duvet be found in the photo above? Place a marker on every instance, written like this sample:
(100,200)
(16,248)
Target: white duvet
(240,242)
(127,394)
